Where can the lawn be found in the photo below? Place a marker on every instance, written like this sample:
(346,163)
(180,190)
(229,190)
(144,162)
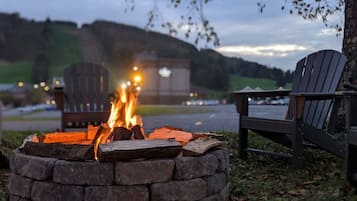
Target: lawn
(154,110)
(17,71)
(267,178)
(64,48)
(143,110)
(238,83)
(260,177)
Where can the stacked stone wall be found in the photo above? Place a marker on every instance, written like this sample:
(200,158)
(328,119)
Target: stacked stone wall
(202,178)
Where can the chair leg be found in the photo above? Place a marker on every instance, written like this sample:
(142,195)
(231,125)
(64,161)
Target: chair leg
(298,149)
(63,124)
(243,143)
(350,162)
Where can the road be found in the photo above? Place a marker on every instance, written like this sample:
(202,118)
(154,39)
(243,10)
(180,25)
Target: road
(220,118)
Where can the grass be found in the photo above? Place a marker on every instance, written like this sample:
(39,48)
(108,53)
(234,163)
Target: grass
(154,110)
(17,71)
(9,141)
(143,110)
(260,177)
(238,83)
(266,178)
(12,139)
(23,118)
(64,48)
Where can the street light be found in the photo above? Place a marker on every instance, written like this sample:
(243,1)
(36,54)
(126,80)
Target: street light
(137,78)
(46,88)
(20,84)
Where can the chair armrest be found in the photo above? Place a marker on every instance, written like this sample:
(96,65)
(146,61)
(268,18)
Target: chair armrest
(299,98)
(350,86)
(324,95)
(241,98)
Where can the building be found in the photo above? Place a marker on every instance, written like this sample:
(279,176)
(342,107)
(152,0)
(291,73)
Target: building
(165,80)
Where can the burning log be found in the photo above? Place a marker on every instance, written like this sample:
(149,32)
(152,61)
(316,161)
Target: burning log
(138,132)
(61,151)
(134,149)
(63,137)
(97,134)
(121,133)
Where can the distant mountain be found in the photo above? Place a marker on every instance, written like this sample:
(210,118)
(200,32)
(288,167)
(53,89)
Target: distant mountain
(25,40)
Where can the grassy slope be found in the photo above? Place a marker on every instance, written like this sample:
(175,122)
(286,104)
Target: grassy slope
(17,71)
(65,48)
(238,83)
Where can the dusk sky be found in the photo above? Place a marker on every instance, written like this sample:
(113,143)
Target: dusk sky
(273,38)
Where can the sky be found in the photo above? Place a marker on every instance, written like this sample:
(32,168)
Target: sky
(273,38)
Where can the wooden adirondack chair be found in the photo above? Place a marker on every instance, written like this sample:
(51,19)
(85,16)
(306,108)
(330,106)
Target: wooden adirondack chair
(85,98)
(315,81)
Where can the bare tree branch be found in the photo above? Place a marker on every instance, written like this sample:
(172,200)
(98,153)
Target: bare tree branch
(193,22)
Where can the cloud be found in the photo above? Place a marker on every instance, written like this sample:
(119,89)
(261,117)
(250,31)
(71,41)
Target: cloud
(327,32)
(276,50)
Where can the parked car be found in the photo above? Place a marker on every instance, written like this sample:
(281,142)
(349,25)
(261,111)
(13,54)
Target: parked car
(201,102)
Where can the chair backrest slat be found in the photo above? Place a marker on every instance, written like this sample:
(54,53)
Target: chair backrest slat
(318,72)
(321,64)
(86,88)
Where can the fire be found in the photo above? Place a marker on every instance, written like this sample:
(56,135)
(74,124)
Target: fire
(123,107)
(122,112)
(122,123)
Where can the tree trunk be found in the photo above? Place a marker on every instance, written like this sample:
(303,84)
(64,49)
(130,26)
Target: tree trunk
(350,39)
(349,48)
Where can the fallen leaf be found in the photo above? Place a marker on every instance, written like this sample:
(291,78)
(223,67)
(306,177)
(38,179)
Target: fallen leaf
(293,192)
(309,182)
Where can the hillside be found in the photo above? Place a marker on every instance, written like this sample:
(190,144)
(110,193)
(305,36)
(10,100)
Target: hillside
(209,68)
(31,51)
(35,51)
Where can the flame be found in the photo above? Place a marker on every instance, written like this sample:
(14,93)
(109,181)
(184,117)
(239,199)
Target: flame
(123,107)
(122,112)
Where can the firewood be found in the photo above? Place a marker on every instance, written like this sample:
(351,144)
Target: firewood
(30,138)
(168,133)
(134,149)
(61,151)
(97,134)
(121,133)
(212,135)
(200,146)
(138,132)
(58,137)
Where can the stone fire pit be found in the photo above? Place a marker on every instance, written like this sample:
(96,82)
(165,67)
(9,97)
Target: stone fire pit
(203,177)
